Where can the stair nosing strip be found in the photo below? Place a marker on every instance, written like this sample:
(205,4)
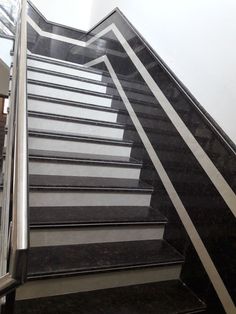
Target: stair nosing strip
(41,225)
(86,161)
(91,189)
(75,119)
(72,137)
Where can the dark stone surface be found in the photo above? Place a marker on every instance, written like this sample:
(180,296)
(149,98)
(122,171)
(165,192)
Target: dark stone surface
(56,260)
(82,138)
(211,216)
(163,298)
(52,116)
(208,211)
(87,182)
(69,156)
(134,91)
(57,49)
(94,215)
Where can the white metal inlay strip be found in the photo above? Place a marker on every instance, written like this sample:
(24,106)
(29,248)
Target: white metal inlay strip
(213,173)
(55,36)
(199,246)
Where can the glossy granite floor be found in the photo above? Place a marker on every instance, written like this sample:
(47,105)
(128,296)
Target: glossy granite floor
(158,298)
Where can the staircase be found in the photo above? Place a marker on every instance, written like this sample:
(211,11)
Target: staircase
(96,244)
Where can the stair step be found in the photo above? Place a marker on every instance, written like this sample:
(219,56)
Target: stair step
(54,65)
(71,93)
(52,163)
(70,108)
(61,196)
(65,107)
(71,191)
(85,158)
(91,170)
(42,140)
(148,117)
(68,235)
(64,63)
(75,119)
(167,297)
(56,123)
(70,67)
(129,83)
(83,76)
(52,89)
(65,79)
(56,261)
(85,183)
(94,216)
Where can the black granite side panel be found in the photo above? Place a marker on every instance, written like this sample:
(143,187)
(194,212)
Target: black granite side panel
(58,49)
(211,216)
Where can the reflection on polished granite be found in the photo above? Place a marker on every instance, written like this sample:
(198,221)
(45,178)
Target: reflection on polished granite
(213,219)
(163,298)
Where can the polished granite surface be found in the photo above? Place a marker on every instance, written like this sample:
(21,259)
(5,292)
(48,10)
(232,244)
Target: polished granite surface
(209,213)
(69,156)
(87,182)
(170,297)
(60,260)
(211,216)
(94,215)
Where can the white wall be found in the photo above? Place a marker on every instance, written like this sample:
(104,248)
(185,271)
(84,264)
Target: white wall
(196,39)
(74,13)
(6,47)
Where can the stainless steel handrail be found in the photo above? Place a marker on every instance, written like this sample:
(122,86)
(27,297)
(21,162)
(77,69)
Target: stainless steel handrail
(16,173)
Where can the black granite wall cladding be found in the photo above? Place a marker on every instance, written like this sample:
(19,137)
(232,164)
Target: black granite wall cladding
(56,48)
(211,216)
